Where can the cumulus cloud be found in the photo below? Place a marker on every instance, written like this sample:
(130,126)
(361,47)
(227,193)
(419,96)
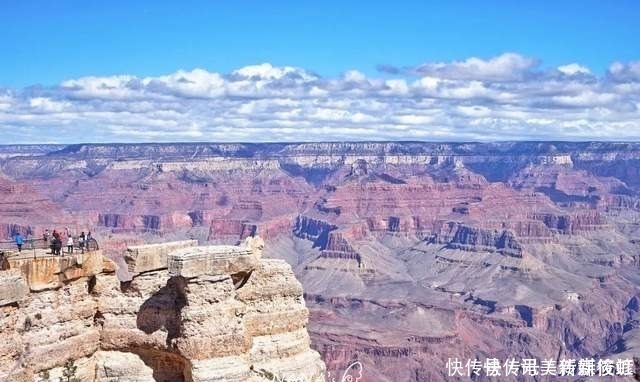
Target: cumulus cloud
(505,67)
(629,72)
(508,97)
(573,69)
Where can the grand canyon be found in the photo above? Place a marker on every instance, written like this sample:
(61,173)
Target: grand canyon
(408,253)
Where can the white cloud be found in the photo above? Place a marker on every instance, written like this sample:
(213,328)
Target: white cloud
(629,72)
(505,97)
(428,84)
(505,67)
(266,71)
(354,76)
(587,99)
(114,87)
(412,119)
(196,83)
(43,104)
(573,69)
(396,87)
(6,100)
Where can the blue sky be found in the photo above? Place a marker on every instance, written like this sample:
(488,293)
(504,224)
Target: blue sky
(45,42)
(298,70)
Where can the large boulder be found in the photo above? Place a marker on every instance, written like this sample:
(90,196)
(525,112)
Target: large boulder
(212,260)
(151,257)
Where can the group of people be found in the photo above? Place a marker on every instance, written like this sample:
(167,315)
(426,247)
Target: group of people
(56,239)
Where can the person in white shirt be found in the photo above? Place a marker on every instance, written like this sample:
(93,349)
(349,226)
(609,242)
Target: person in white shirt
(70,244)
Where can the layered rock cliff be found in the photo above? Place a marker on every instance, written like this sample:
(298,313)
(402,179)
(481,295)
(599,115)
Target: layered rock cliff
(186,313)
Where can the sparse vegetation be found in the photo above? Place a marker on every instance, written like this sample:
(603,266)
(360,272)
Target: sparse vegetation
(270,375)
(69,372)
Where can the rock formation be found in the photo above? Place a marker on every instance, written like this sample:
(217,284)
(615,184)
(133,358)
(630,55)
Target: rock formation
(210,313)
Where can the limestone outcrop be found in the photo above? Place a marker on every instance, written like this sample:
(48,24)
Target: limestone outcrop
(151,257)
(215,313)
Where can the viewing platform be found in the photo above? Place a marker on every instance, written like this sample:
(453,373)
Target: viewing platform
(38,248)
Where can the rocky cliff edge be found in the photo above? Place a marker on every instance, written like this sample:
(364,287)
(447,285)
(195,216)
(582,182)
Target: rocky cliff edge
(187,313)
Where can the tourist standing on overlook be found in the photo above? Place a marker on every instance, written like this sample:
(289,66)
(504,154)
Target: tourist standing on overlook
(88,240)
(70,244)
(19,241)
(56,243)
(45,237)
(82,241)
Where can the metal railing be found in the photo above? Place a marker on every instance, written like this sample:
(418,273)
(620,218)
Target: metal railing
(32,244)
(29,243)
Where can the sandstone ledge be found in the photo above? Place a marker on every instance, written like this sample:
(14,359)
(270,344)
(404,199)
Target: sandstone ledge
(211,260)
(53,272)
(150,257)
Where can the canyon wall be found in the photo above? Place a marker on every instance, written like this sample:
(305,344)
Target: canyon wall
(409,253)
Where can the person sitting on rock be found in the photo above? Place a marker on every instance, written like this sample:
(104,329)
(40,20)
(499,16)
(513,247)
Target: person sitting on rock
(70,244)
(19,241)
